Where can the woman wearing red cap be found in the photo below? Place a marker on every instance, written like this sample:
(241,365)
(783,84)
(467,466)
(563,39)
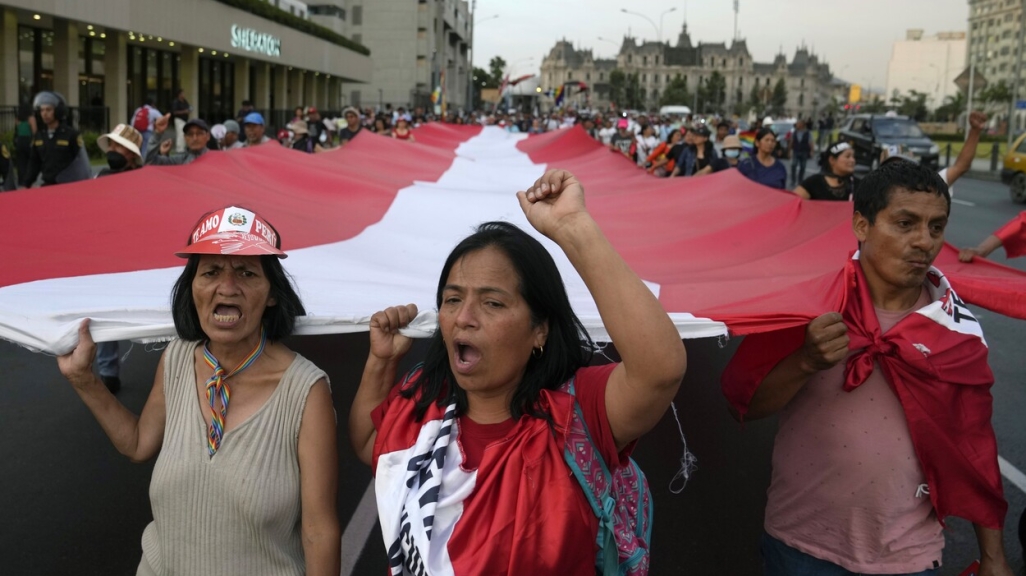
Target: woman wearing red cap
(242,427)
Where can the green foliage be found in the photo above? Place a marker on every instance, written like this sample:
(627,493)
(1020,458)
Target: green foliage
(953,106)
(92,148)
(484,79)
(497,69)
(875,106)
(617,88)
(275,14)
(633,99)
(676,93)
(713,93)
(999,94)
(778,101)
(913,105)
(755,101)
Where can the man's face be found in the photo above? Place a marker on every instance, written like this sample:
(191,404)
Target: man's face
(196,138)
(722,132)
(352,120)
(898,249)
(230,138)
(254,133)
(47,113)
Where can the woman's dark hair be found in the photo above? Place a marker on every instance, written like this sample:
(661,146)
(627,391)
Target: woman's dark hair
(278,321)
(828,153)
(669,137)
(763,132)
(567,348)
(873,193)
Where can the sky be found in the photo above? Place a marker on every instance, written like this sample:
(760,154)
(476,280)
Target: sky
(853,36)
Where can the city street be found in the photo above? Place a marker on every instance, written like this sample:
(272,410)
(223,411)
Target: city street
(71,505)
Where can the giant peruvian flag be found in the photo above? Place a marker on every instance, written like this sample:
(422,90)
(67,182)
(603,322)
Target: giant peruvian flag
(369,226)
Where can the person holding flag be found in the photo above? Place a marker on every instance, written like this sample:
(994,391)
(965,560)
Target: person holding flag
(885,404)
(1012,236)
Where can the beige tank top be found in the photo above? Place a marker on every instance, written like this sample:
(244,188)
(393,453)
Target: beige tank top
(238,512)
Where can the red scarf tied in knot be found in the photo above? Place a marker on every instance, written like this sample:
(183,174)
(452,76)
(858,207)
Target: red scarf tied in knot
(935,360)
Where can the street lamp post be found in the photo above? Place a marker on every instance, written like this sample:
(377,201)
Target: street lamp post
(661,16)
(470,57)
(659,34)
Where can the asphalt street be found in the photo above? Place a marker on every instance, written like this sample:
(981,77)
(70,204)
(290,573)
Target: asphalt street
(69,504)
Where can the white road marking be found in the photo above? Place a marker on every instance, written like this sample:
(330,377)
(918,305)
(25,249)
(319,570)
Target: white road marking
(1012,474)
(962,202)
(354,539)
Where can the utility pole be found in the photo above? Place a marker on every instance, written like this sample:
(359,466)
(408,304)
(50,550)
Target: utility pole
(1018,72)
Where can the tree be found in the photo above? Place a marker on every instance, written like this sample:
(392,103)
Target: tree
(484,79)
(996,96)
(951,109)
(676,93)
(875,106)
(498,69)
(617,86)
(755,100)
(778,101)
(714,92)
(912,105)
(632,93)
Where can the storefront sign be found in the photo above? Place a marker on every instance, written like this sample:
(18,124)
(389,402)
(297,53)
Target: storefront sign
(251,40)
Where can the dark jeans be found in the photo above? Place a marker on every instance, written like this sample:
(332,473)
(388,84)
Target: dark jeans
(779,559)
(798,169)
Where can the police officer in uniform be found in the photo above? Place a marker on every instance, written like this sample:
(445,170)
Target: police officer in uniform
(57,150)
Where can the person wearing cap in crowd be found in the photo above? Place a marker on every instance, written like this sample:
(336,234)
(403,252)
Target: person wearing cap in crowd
(624,141)
(58,153)
(402,129)
(231,136)
(301,137)
(196,136)
(697,156)
(316,128)
(251,491)
(121,147)
(730,156)
(253,125)
(836,179)
(352,127)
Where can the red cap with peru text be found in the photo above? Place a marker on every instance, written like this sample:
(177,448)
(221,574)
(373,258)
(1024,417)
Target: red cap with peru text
(233,231)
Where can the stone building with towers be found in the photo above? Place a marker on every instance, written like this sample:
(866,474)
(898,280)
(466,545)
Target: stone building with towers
(807,79)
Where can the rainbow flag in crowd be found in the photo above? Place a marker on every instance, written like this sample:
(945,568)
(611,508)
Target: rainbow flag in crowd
(747,140)
(560,94)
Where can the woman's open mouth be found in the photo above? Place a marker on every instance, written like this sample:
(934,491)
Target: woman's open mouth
(465,357)
(225,315)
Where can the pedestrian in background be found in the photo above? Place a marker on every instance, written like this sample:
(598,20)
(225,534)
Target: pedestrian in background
(196,136)
(180,110)
(231,136)
(143,119)
(836,178)
(24,130)
(801,148)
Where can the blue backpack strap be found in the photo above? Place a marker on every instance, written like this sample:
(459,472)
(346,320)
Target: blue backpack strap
(601,501)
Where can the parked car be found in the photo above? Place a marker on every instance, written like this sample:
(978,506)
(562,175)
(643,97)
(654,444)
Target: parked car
(870,134)
(1013,172)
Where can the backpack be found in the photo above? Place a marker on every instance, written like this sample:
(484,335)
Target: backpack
(141,122)
(622,500)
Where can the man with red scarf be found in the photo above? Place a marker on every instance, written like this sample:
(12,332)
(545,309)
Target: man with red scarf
(885,406)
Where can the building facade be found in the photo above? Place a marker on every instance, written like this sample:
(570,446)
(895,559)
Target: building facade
(994,29)
(111,55)
(807,80)
(927,64)
(417,47)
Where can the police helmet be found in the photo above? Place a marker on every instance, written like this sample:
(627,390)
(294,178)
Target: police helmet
(49,98)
